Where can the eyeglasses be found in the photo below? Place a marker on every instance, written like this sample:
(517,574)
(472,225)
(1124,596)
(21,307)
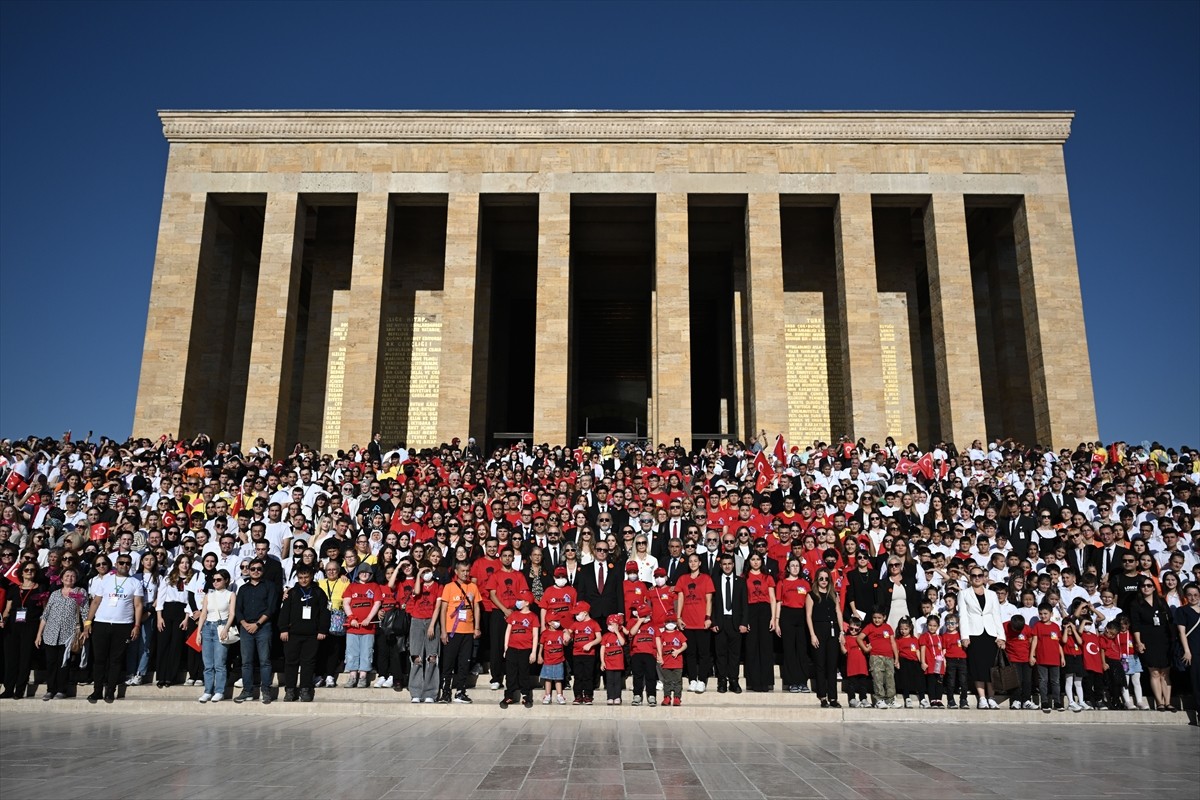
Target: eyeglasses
(976,574)
(217,578)
(822,580)
(254,569)
(601,550)
(894,566)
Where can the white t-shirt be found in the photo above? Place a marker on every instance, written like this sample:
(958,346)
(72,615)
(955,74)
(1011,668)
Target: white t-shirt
(116,597)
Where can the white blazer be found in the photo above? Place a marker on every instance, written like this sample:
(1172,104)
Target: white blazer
(972,621)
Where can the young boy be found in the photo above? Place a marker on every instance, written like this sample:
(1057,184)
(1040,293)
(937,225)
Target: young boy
(1093,666)
(520,650)
(554,655)
(933,659)
(878,640)
(612,657)
(956,663)
(857,682)
(1114,673)
(643,649)
(1046,653)
(585,638)
(1016,647)
(669,647)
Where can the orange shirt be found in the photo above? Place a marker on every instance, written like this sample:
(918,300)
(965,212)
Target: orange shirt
(459,616)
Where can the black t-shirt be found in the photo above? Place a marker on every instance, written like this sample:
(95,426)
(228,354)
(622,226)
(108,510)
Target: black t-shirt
(368,508)
(1125,587)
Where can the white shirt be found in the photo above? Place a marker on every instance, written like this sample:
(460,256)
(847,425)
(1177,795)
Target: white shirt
(116,597)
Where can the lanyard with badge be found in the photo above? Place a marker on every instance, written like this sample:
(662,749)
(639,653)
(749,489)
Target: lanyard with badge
(22,612)
(306,604)
(118,592)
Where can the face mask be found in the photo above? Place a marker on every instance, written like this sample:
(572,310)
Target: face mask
(670,626)
(519,605)
(631,576)
(427,577)
(581,616)
(660,581)
(560,582)
(554,624)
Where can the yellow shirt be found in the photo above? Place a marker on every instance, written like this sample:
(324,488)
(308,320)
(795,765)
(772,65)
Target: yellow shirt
(333,590)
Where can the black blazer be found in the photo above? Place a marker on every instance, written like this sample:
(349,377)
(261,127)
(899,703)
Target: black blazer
(611,599)
(883,596)
(1081,559)
(674,570)
(739,600)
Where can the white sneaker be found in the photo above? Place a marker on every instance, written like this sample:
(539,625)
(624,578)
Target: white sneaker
(318,682)
(700,687)
(237,684)
(560,700)
(1073,706)
(897,703)
(218,697)
(980,703)
(546,700)
(926,704)
(416,700)
(1086,707)
(129,680)
(908,702)
(1029,706)
(992,704)
(387,682)
(881,704)
(1144,705)
(429,700)
(204,698)
(660,687)
(378,684)
(853,702)
(330,681)
(494,685)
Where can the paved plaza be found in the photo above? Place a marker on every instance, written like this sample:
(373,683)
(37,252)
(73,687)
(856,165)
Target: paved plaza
(159,757)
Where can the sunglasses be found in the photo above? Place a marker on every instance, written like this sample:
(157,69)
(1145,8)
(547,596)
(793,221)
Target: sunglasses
(254,569)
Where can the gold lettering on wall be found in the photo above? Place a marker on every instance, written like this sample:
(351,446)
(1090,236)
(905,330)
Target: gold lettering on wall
(807,373)
(891,379)
(335,388)
(412,369)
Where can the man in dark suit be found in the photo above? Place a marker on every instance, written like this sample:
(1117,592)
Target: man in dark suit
(599,584)
(1053,500)
(374,448)
(1106,559)
(729,623)
(674,563)
(1080,553)
(1019,528)
(709,561)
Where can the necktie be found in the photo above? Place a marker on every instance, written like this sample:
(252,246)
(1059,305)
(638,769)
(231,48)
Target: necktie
(675,529)
(599,576)
(728,594)
(554,556)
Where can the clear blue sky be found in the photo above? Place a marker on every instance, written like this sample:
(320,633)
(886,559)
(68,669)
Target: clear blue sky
(82,157)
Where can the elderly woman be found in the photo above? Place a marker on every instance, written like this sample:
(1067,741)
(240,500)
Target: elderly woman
(61,622)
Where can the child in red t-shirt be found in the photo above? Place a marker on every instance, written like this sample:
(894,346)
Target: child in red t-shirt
(1093,666)
(933,660)
(1114,671)
(612,658)
(1046,653)
(520,650)
(670,646)
(878,640)
(585,638)
(1016,647)
(554,655)
(643,649)
(857,682)
(909,675)
(956,663)
(1073,672)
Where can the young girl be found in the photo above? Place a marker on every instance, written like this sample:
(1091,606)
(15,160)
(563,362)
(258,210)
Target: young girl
(878,640)
(585,635)
(554,648)
(956,664)
(1093,666)
(909,680)
(612,657)
(1046,653)
(670,646)
(1016,647)
(1114,673)
(643,643)
(933,659)
(1073,671)
(1132,666)
(858,681)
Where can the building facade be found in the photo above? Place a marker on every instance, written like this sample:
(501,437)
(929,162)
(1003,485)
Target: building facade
(324,275)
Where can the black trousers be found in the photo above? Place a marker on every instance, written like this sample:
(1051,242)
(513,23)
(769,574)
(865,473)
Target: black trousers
(517,681)
(456,660)
(299,656)
(57,675)
(614,683)
(171,642)
(585,674)
(760,653)
(728,641)
(793,626)
(645,676)
(390,661)
(109,640)
(495,632)
(330,653)
(19,652)
(697,664)
(825,664)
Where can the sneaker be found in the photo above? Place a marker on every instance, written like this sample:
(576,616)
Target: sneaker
(528,701)
(701,686)
(243,697)
(1143,705)
(950,703)
(1015,705)
(48,696)
(897,703)
(389,682)
(318,682)
(650,701)
(290,696)
(854,702)
(204,698)
(237,684)
(331,681)
(443,698)
(494,685)
(980,703)
(908,702)
(659,686)
(505,703)
(546,700)
(461,697)
(1086,707)
(637,701)
(428,700)
(415,700)
(880,704)
(266,696)
(560,700)
(926,704)
(136,680)
(1029,705)
(1059,707)
(677,702)
(1075,707)
(216,698)
(587,701)
(992,704)
(578,701)
(834,704)
(60,696)
(378,684)
(805,689)
(1045,709)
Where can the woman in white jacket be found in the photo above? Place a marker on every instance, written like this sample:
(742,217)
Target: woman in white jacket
(982,633)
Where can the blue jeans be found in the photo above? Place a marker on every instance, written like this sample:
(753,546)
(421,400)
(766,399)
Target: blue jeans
(258,643)
(137,655)
(214,652)
(360,652)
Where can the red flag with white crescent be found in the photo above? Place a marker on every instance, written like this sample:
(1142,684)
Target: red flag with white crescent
(780,451)
(925,465)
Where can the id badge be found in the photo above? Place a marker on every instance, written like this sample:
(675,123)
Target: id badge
(21,613)
(305,612)
(112,601)
(462,615)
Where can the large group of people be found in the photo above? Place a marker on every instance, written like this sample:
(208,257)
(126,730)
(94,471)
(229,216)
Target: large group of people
(884,576)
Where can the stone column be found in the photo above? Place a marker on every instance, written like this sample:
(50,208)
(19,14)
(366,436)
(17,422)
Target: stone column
(268,388)
(458,319)
(673,329)
(551,360)
(952,306)
(768,405)
(1064,407)
(165,354)
(369,275)
(858,294)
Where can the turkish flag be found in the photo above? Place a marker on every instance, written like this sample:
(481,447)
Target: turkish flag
(943,471)
(925,465)
(780,452)
(16,484)
(13,572)
(765,473)
(906,466)
(98,532)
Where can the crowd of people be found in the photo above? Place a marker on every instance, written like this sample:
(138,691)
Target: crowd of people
(882,575)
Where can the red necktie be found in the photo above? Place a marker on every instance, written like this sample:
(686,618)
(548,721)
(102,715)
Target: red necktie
(599,577)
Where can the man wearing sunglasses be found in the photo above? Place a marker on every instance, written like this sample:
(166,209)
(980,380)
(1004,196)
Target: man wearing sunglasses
(253,607)
(113,620)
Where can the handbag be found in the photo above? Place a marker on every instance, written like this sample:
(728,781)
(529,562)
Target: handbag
(337,622)
(1004,675)
(232,636)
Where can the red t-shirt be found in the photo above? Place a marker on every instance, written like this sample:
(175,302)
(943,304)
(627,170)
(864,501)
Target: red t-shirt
(694,591)
(953,642)
(521,626)
(557,603)
(910,648)
(481,573)
(553,648)
(1071,647)
(672,640)
(758,588)
(780,552)
(357,600)
(792,592)
(856,659)
(662,603)
(1111,647)
(583,633)
(637,595)
(507,585)
(879,637)
(1091,652)
(1016,645)
(420,606)
(1049,643)
(612,652)
(931,643)
(644,640)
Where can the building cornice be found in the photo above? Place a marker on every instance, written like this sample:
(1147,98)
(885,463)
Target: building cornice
(778,127)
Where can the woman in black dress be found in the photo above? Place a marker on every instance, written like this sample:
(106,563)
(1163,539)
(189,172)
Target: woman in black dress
(1150,621)
(1187,626)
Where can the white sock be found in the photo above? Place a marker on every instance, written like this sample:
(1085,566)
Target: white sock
(1070,688)
(1137,688)
(1079,691)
